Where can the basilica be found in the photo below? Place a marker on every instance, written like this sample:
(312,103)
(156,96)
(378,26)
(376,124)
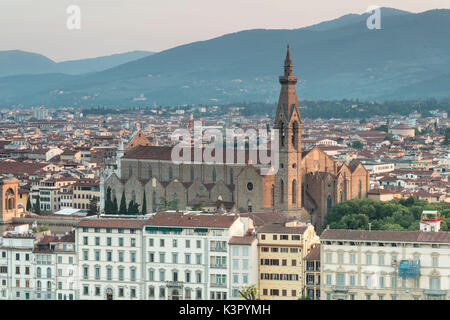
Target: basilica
(307,183)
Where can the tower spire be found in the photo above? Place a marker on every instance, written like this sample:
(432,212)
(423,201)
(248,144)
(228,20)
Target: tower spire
(288,63)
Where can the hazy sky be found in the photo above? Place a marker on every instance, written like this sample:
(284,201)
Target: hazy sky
(113,26)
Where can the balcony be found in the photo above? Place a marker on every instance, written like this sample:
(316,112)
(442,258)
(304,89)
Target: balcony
(218,285)
(218,249)
(434,294)
(217,266)
(340,288)
(174,284)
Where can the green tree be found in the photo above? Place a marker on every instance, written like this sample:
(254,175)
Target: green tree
(144,204)
(37,206)
(357,145)
(29,206)
(93,206)
(133,208)
(108,203)
(249,292)
(115,208)
(123,204)
(198,206)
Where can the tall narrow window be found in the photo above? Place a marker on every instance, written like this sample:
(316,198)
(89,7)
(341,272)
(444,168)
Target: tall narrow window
(214,175)
(231,176)
(150,172)
(170,173)
(154,201)
(329,202)
(359,189)
(273,196)
(294,134)
(282,134)
(281,191)
(133,196)
(294,191)
(130,171)
(192,174)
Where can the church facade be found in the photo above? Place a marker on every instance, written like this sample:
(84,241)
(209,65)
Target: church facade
(306,184)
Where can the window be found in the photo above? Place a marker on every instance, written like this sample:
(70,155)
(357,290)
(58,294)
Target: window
(133,242)
(352,258)
(121,292)
(132,256)
(162,275)
(368,259)
(97,241)
(340,258)
(235,264)
(174,257)
(85,241)
(352,280)
(161,242)
(188,276)
(198,277)
(199,244)
(109,273)
(109,255)
(198,294)
(120,242)
(187,258)
(188,243)
(151,275)
(198,258)
(133,274)
(151,292)
(150,242)
(381,282)
(328,257)
(85,290)
(97,255)
(121,274)
(381,260)
(162,257)
(120,256)
(328,279)
(435,262)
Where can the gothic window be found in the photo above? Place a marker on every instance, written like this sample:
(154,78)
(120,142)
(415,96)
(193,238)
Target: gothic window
(170,173)
(342,196)
(192,174)
(303,194)
(329,202)
(130,171)
(282,134)
(133,196)
(214,175)
(294,134)
(359,189)
(281,191)
(154,201)
(150,172)
(294,191)
(231,176)
(273,196)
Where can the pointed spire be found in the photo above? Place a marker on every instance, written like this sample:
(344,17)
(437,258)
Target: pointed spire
(288,63)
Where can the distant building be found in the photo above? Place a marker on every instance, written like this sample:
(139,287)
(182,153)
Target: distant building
(402,130)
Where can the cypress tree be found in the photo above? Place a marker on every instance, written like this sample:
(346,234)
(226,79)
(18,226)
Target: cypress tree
(123,204)
(37,206)
(144,205)
(115,208)
(29,206)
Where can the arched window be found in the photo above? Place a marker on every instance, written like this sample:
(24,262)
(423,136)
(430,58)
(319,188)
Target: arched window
(150,172)
(294,134)
(273,196)
(49,286)
(175,197)
(294,191)
(192,174)
(133,196)
(342,196)
(170,173)
(39,286)
(303,194)
(231,176)
(38,273)
(214,175)
(282,191)
(282,134)
(359,189)
(49,272)
(329,202)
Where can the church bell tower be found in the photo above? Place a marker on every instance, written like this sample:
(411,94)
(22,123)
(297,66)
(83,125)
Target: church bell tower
(288,195)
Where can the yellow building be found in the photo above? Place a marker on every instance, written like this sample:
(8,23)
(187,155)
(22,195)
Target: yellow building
(83,192)
(281,251)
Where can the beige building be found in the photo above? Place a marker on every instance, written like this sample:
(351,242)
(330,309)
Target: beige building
(312,273)
(84,190)
(402,130)
(282,248)
(386,265)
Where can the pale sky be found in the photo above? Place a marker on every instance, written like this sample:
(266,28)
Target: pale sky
(114,26)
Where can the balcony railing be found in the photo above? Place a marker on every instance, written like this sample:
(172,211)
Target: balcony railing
(218,266)
(218,249)
(174,284)
(218,285)
(338,288)
(434,292)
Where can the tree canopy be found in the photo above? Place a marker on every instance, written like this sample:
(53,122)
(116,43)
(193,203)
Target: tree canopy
(401,215)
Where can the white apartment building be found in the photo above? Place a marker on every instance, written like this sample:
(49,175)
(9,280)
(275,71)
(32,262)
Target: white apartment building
(385,265)
(66,267)
(16,267)
(44,262)
(187,256)
(244,263)
(109,255)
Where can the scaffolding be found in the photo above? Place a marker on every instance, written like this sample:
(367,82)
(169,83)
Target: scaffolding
(409,269)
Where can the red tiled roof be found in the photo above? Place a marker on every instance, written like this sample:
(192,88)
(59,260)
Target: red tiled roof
(191,220)
(385,235)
